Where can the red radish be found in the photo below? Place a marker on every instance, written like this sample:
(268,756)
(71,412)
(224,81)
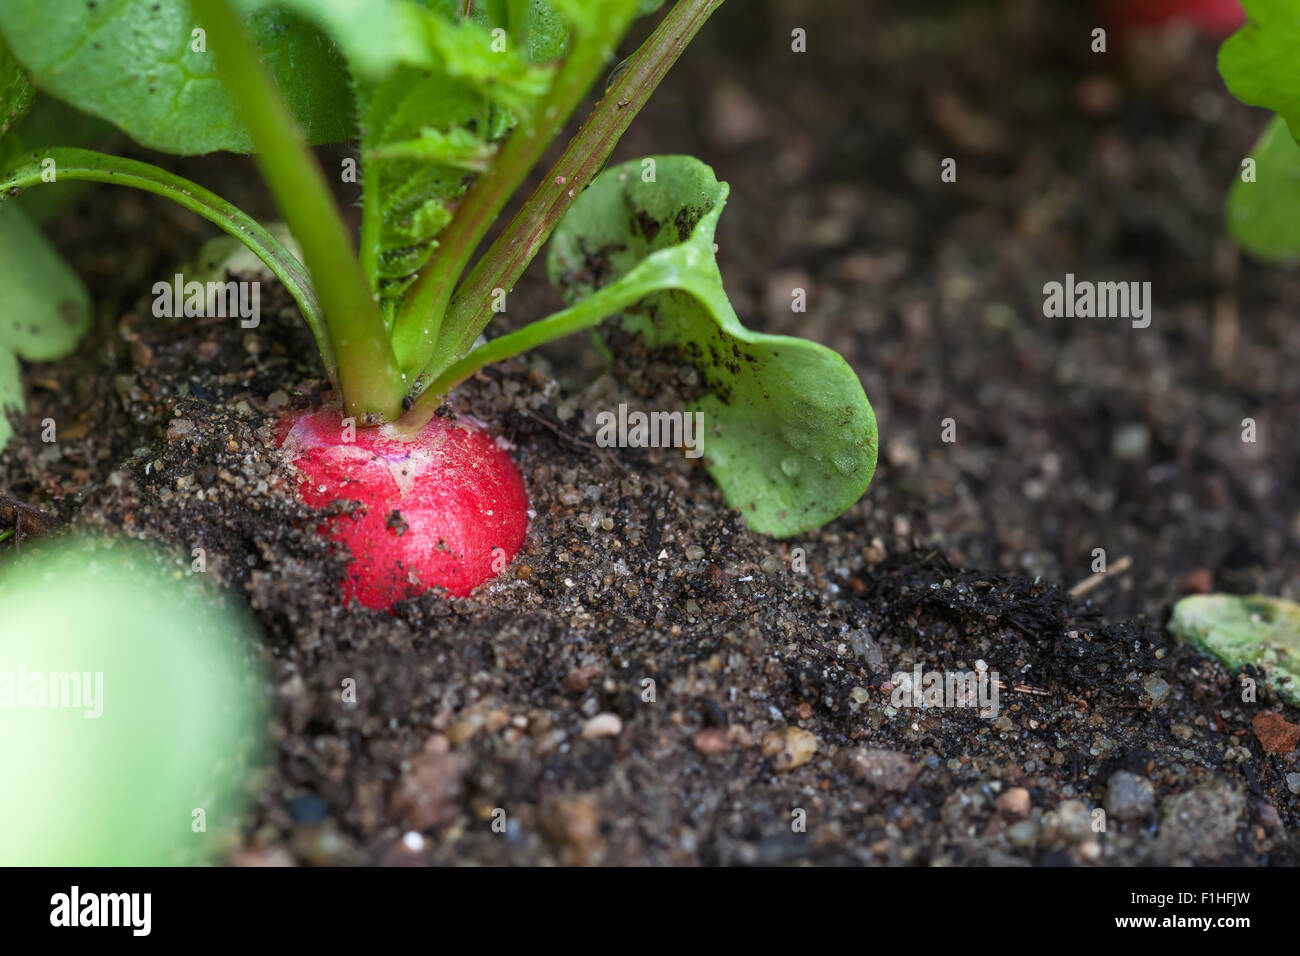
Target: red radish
(1214,18)
(447,509)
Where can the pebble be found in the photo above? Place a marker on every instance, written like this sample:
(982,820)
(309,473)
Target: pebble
(1200,822)
(712,740)
(1156,688)
(1129,796)
(1293,782)
(789,747)
(694,552)
(866,648)
(1014,804)
(1023,834)
(887,769)
(1276,735)
(603,725)
(1130,442)
(179,428)
(1071,822)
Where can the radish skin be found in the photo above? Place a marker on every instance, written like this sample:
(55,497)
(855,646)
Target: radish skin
(446,509)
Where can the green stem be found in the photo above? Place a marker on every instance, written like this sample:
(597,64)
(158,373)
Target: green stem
(508,257)
(647,278)
(85,164)
(372,384)
(426,302)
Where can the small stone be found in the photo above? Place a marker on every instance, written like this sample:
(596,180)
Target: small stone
(277,399)
(1293,782)
(887,769)
(772,565)
(1130,442)
(603,725)
(712,740)
(179,429)
(866,648)
(789,747)
(1023,834)
(1276,735)
(1129,796)
(1067,824)
(430,793)
(1200,822)
(1157,689)
(1014,803)
(694,552)
(576,682)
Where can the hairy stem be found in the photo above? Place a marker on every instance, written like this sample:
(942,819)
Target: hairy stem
(508,257)
(371,382)
(427,300)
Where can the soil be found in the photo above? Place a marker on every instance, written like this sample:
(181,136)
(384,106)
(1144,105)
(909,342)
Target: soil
(527,704)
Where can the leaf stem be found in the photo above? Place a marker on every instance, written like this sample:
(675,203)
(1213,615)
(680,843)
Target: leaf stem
(427,300)
(371,382)
(88,165)
(507,258)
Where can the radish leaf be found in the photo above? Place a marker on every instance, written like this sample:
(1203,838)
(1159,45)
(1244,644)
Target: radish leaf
(426,133)
(135,64)
(1258,62)
(46,307)
(1263,213)
(16,90)
(789,435)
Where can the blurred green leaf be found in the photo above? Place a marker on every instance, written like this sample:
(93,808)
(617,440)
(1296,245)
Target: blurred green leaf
(1264,215)
(128,716)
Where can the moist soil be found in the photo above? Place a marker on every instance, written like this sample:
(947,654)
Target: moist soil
(650,682)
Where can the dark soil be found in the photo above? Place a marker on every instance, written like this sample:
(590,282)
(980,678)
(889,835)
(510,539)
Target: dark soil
(528,703)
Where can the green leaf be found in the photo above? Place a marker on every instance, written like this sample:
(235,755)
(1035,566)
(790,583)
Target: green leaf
(790,438)
(1256,629)
(376,36)
(16,91)
(1259,62)
(425,133)
(152,725)
(135,65)
(46,308)
(1264,215)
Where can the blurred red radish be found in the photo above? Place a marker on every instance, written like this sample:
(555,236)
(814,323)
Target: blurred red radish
(447,509)
(1214,18)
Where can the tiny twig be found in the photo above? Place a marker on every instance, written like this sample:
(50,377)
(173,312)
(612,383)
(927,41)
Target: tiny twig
(1089,584)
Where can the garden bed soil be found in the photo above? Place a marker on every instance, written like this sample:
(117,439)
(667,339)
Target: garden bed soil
(770,685)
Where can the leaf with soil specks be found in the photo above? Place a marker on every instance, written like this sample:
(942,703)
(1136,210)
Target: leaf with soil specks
(789,435)
(46,308)
(1255,629)
(1264,215)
